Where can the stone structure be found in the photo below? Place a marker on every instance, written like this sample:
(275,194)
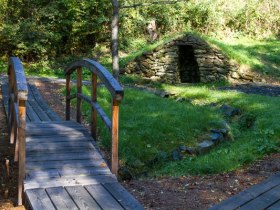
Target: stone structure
(188,59)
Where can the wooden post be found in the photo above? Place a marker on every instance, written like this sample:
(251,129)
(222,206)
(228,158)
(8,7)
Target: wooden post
(115,136)
(79,91)
(67,113)
(22,152)
(93,111)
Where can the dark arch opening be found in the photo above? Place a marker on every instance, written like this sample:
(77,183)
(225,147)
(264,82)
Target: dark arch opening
(188,66)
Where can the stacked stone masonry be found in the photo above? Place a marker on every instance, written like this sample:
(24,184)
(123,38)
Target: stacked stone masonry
(165,63)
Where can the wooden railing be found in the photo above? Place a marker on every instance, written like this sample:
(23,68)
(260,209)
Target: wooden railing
(18,93)
(114,88)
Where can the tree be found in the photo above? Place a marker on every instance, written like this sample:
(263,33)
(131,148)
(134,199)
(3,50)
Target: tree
(115,37)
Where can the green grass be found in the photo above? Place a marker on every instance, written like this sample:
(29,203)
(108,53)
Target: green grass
(248,145)
(151,127)
(261,56)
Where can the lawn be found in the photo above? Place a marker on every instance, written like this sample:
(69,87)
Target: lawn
(151,127)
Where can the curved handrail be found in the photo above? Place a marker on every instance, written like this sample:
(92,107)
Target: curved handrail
(18,93)
(110,82)
(97,70)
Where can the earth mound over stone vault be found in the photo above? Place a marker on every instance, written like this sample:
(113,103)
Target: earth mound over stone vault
(187,59)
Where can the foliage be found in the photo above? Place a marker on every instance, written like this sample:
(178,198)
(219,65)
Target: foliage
(36,30)
(39,30)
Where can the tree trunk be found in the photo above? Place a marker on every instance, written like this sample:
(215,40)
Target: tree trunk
(115,41)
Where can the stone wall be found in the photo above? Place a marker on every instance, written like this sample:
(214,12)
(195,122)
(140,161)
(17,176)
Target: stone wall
(162,64)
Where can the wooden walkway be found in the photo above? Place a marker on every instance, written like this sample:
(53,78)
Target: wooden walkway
(64,169)
(265,195)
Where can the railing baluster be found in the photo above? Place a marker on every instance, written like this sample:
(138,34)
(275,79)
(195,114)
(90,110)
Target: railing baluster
(79,90)
(115,135)
(22,151)
(67,113)
(93,111)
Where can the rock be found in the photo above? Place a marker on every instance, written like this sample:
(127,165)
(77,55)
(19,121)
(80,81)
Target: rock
(124,174)
(176,155)
(224,131)
(229,111)
(217,137)
(205,146)
(186,150)
(180,99)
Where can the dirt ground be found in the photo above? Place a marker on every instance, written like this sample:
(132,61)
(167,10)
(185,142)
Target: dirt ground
(187,192)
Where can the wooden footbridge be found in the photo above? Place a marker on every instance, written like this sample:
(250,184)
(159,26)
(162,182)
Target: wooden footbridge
(60,166)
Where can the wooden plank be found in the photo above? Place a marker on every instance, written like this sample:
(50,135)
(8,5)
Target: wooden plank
(82,198)
(39,200)
(57,123)
(50,153)
(65,156)
(54,131)
(103,197)
(65,172)
(59,146)
(61,199)
(263,201)
(31,113)
(249,194)
(68,181)
(41,102)
(123,196)
(33,174)
(65,164)
(275,206)
(65,138)
(39,111)
(73,136)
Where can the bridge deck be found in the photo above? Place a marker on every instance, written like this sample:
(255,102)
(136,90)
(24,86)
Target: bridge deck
(265,195)
(64,169)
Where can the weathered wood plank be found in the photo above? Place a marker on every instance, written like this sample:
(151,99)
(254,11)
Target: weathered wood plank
(49,173)
(65,138)
(41,102)
(65,156)
(61,199)
(275,206)
(263,201)
(39,200)
(54,131)
(31,113)
(82,198)
(65,164)
(39,111)
(59,147)
(123,196)
(103,197)
(65,172)
(69,181)
(52,152)
(248,195)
